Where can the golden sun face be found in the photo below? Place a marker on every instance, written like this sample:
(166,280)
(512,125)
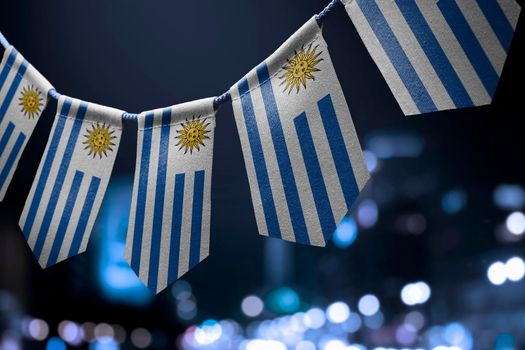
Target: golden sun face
(99,140)
(31,101)
(192,134)
(299,69)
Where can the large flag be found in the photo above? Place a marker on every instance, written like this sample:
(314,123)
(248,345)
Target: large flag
(437,55)
(71,180)
(23,97)
(169,224)
(302,155)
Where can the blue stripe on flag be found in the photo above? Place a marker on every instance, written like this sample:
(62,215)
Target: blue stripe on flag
(498,21)
(261,171)
(60,178)
(176,227)
(196,218)
(397,56)
(283,158)
(6,136)
(7,68)
(339,151)
(12,158)
(12,90)
(84,216)
(141,192)
(66,217)
(158,211)
(46,168)
(315,176)
(470,44)
(435,53)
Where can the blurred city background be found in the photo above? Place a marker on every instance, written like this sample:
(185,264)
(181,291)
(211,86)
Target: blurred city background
(430,257)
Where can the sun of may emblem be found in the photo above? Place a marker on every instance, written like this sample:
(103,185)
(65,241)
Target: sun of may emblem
(31,101)
(299,69)
(99,140)
(192,134)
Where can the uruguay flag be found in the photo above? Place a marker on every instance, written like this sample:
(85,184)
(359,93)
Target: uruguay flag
(302,155)
(71,180)
(169,224)
(437,55)
(23,97)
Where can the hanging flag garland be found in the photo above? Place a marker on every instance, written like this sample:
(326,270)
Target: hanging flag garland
(303,159)
(71,180)
(169,224)
(437,55)
(301,151)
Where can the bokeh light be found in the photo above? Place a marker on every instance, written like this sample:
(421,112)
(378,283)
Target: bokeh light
(38,329)
(497,273)
(338,312)
(454,201)
(515,269)
(141,338)
(208,332)
(55,343)
(367,213)
(516,223)
(283,300)
(368,305)
(314,318)
(346,233)
(415,293)
(252,306)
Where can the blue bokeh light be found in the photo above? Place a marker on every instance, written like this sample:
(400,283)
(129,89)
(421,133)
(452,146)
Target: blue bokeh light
(454,201)
(283,300)
(117,280)
(346,233)
(55,343)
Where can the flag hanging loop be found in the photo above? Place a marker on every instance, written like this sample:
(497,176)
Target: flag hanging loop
(219,100)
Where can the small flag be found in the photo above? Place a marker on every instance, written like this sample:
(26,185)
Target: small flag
(302,155)
(23,97)
(169,224)
(437,55)
(71,180)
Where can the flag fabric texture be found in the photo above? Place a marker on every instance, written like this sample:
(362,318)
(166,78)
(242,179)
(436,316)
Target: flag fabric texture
(169,224)
(437,55)
(71,180)
(304,162)
(23,97)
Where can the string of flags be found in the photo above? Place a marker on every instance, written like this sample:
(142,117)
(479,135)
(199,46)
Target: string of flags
(302,155)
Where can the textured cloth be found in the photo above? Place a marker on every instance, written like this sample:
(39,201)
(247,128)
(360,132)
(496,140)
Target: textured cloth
(23,97)
(304,162)
(437,55)
(169,224)
(71,180)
